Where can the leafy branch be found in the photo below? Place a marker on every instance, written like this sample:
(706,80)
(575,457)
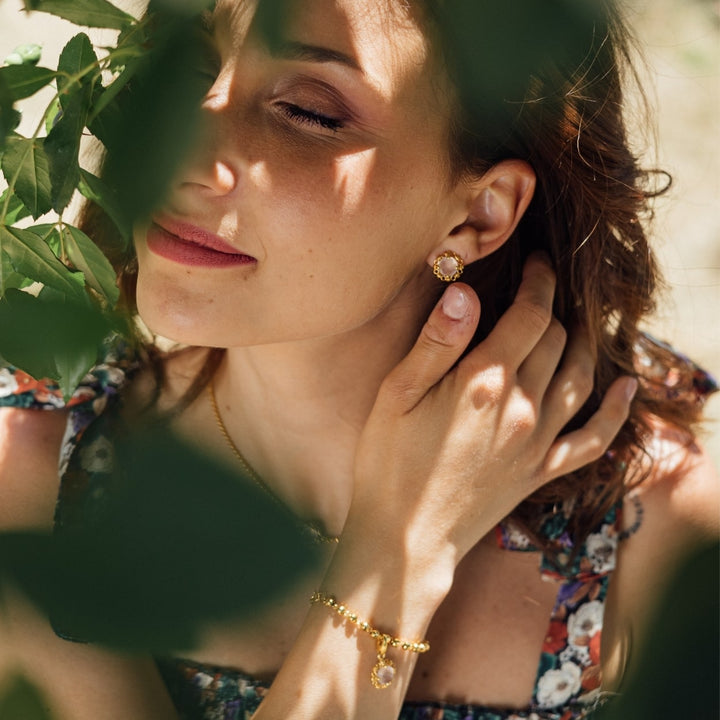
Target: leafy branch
(138,99)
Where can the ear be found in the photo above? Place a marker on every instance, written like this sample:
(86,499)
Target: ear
(488,210)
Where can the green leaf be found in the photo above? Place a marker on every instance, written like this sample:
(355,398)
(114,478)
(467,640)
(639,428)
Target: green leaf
(680,649)
(79,330)
(20,311)
(16,208)
(62,144)
(9,278)
(159,559)
(25,159)
(76,60)
(62,147)
(107,95)
(89,13)
(31,257)
(23,701)
(52,335)
(53,115)
(95,189)
(160,118)
(87,257)
(25,80)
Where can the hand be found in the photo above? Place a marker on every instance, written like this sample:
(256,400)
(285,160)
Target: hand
(449,451)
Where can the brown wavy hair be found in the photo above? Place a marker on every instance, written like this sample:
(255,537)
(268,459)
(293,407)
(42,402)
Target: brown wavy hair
(543,81)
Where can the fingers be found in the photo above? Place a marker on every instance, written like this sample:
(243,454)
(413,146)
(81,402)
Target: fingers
(538,369)
(442,340)
(572,384)
(524,323)
(587,444)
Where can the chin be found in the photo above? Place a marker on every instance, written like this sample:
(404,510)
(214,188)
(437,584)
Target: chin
(174,318)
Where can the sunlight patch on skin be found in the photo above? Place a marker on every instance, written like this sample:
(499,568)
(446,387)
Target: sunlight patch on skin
(560,455)
(351,178)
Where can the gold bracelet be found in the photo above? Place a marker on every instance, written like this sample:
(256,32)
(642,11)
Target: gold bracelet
(383,673)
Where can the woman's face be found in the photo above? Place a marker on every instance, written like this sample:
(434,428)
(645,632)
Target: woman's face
(321,187)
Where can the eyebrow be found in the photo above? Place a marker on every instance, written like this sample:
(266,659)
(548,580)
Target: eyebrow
(291,50)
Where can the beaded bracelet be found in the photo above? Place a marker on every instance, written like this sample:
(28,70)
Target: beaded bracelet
(383,672)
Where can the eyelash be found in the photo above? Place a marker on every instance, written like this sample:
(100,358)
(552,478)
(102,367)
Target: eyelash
(308,117)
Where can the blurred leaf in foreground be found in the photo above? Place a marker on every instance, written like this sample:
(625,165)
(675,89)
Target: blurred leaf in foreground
(22,701)
(65,338)
(677,673)
(174,541)
(160,112)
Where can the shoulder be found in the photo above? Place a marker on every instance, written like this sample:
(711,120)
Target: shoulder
(32,440)
(29,450)
(681,494)
(672,512)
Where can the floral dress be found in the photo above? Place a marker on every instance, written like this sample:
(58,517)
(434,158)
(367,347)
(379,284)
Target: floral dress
(567,685)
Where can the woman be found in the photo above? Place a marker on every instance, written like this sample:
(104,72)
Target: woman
(340,165)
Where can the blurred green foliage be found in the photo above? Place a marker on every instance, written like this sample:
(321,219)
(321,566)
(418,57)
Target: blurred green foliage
(167,543)
(677,671)
(21,701)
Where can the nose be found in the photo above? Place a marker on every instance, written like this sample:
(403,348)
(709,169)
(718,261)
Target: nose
(209,177)
(212,171)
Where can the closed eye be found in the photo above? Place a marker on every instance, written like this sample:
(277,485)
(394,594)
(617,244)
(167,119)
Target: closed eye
(308,117)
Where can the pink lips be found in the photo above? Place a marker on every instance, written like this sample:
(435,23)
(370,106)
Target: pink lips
(191,245)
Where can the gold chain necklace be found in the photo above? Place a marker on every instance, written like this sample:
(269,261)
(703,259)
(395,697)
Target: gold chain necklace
(311,527)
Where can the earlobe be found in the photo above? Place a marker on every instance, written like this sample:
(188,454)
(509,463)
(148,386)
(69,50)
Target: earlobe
(493,205)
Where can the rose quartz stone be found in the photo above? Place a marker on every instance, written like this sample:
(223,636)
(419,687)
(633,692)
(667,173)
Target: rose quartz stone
(448,266)
(386,674)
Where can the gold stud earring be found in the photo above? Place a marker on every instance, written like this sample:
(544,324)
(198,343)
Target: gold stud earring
(448,266)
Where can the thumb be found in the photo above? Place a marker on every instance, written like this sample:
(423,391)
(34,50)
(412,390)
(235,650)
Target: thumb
(442,341)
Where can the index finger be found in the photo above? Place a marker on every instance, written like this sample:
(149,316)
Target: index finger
(523,324)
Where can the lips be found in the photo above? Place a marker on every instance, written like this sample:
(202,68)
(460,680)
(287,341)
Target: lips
(191,245)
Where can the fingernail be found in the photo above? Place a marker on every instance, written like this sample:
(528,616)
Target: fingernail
(455,303)
(631,386)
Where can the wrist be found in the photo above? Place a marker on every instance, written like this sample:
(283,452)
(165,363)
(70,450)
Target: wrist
(392,577)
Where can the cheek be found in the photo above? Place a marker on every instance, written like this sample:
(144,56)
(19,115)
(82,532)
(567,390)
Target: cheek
(358,198)
(315,186)
(352,175)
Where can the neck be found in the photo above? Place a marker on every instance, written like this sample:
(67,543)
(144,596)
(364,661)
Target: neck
(296,410)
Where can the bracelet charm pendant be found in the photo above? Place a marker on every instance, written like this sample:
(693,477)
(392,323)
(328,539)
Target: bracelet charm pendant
(384,671)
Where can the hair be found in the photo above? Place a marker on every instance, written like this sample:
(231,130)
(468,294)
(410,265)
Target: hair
(542,81)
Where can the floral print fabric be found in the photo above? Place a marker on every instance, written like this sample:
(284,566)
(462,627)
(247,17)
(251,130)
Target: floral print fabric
(567,685)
